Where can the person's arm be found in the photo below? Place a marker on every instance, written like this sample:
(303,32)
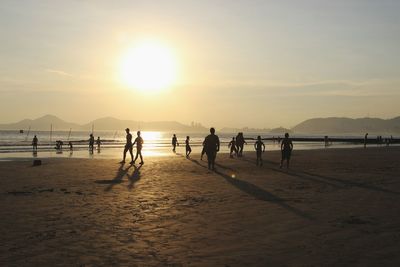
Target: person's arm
(255,146)
(263,147)
(134,142)
(217,143)
(291,145)
(281,145)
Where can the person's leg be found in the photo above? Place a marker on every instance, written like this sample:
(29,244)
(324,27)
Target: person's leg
(209,159)
(124,154)
(131,152)
(214,155)
(141,157)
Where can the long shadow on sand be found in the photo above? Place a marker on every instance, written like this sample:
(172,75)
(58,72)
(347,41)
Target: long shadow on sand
(334,182)
(256,191)
(121,172)
(134,177)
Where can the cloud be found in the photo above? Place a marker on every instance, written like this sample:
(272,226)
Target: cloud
(59,72)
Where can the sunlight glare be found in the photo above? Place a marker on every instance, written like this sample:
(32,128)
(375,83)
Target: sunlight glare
(148,66)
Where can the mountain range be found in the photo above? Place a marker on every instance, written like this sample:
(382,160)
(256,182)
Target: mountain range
(108,123)
(321,126)
(336,125)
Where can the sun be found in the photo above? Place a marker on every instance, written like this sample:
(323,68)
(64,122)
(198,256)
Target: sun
(148,66)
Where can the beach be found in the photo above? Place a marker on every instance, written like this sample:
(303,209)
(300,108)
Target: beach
(333,207)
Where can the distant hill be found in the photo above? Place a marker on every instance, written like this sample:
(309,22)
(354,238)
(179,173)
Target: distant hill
(244,130)
(348,126)
(43,123)
(110,123)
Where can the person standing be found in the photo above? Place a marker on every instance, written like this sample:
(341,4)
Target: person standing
(240,144)
(98,142)
(128,146)
(365,140)
(232,145)
(286,149)
(188,148)
(174,143)
(211,147)
(259,146)
(34,143)
(91,142)
(139,146)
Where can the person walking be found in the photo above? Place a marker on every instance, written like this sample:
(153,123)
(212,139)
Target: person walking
(286,150)
(211,147)
(128,146)
(259,146)
(139,145)
(174,143)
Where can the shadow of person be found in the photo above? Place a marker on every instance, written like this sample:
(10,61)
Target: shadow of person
(121,172)
(134,177)
(262,194)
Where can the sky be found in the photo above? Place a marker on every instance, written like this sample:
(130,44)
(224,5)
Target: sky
(252,63)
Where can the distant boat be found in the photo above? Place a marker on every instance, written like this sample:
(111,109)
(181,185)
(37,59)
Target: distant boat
(21,131)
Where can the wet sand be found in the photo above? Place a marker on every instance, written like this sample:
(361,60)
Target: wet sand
(334,207)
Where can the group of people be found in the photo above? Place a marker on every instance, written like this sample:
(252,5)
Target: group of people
(92,141)
(211,146)
(129,147)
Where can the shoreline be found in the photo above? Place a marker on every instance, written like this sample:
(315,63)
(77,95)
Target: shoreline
(114,153)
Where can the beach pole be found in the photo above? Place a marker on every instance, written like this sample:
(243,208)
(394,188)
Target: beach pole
(26,138)
(51,132)
(69,134)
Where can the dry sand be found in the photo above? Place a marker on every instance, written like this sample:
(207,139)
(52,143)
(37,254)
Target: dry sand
(335,207)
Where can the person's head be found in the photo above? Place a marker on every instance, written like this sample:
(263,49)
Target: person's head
(98,137)
(174,135)
(212,130)
(127,130)
(259,138)
(187,137)
(138,133)
(91,135)
(35,135)
(233,138)
(287,135)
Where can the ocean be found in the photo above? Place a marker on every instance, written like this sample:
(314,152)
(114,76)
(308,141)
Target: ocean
(14,144)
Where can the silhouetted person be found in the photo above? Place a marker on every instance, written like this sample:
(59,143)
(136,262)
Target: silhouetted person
(174,143)
(139,146)
(59,145)
(365,140)
(34,143)
(259,146)
(71,147)
(128,146)
(326,140)
(232,145)
(98,142)
(286,149)
(211,147)
(188,148)
(240,144)
(91,142)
